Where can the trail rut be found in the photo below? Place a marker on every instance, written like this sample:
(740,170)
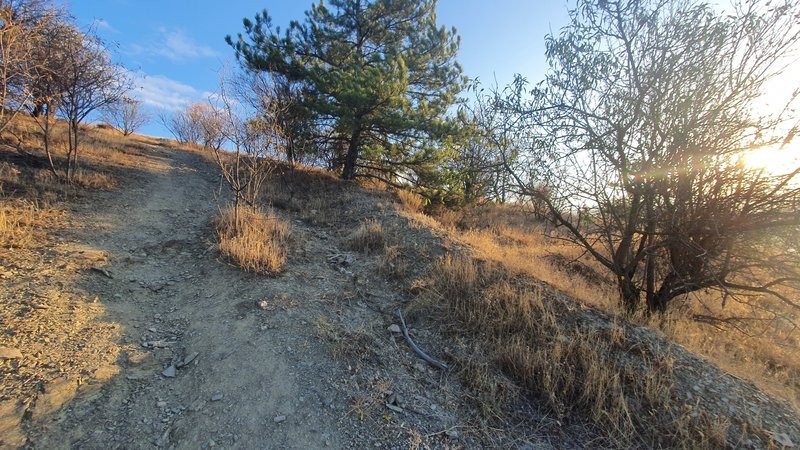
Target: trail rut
(258,381)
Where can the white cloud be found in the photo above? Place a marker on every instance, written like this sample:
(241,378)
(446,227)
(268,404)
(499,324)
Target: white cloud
(160,92)
(103,25)
(174,45)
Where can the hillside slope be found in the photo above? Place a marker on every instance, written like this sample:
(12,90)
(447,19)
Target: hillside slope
(134,333)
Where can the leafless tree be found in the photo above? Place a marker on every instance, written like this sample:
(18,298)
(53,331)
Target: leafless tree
(23,24)
(47,86)
(126,114)
(281,99)
(182,127)
(91,81)
(638,133)
(256,139)
(212,120)
(199,123)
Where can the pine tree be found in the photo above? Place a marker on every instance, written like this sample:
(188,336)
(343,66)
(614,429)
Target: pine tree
(378,76)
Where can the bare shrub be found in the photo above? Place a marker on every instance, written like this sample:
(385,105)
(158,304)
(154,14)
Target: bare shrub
(394,265)
(8,175)
(126,114)
(255,240)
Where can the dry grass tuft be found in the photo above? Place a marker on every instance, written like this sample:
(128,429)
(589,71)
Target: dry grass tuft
(368,237)
(93,180)
(256,240)
(16,225)
(575,369)
(412,203)
(8,175)
(394,265)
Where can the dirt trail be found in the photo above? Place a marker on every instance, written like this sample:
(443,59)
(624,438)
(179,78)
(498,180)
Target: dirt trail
(258,380)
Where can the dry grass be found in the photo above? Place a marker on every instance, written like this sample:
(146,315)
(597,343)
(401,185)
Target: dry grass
(575,370)
(394,265)
(257,240)
(411,202)
(368,237)
(764,349)
(553,261)
(82,178)
(16,225)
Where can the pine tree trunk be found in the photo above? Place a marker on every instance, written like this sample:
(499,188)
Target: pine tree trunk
(351,158)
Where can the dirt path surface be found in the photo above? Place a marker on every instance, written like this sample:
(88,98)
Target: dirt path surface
(252,381)
(201,364)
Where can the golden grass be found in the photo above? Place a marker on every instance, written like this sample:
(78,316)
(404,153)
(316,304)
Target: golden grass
(23,223)
(255,240)
(514,326)
(83,178)
(368,237)
(16,225)
(765,350)
(552,261)
(411,202)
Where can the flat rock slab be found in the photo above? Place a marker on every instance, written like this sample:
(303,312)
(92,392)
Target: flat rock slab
(10,353)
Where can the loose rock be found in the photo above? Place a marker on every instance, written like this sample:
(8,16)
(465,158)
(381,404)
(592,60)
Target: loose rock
(279,419)
(10,353)
(169,372)
(395,328)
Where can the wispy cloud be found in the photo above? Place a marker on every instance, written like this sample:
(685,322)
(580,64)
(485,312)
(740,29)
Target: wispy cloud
(175,45)
(160,92)
(104,25)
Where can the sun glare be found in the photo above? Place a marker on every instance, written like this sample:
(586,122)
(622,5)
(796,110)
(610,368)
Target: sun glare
(776,161)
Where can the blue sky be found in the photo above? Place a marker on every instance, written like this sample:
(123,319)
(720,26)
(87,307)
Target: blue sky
(176,48)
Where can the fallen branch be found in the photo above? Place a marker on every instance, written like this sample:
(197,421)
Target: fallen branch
(417,350)
(102,271)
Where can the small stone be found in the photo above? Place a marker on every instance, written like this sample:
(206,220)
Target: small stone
(394,408)
(784,440)
(169,372)
(10,353)
(395,328)
(279,419)
(161,404)
(216,397)
(197,405)
(419,367)
(452,434)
